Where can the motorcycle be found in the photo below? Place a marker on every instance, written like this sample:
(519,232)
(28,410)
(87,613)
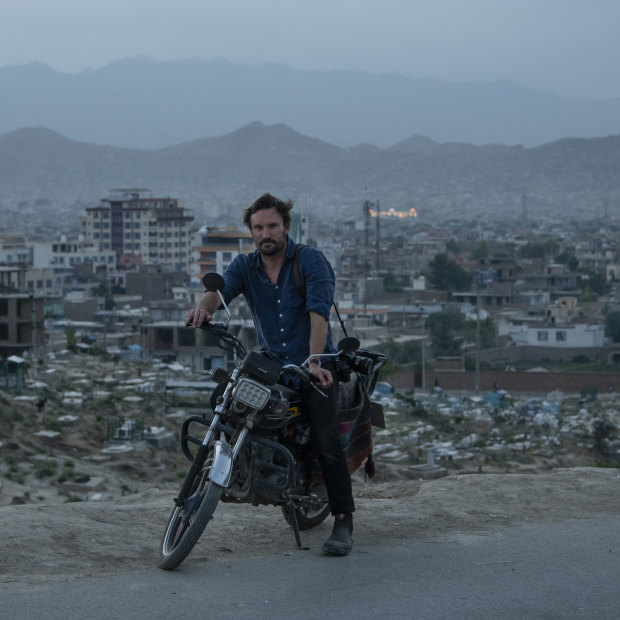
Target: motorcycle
(256,447)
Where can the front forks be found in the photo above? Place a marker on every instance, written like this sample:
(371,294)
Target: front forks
(224,457)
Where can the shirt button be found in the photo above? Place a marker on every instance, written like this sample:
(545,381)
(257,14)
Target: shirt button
(281,329)
(284,344)
(280,315)
(278,301)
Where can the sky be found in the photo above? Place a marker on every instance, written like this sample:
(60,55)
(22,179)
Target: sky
(566,47)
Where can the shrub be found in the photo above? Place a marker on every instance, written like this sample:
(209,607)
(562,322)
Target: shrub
(46,469)
(581,359)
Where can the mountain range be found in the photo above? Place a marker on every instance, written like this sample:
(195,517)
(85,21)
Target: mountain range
(145,103)
(570,177)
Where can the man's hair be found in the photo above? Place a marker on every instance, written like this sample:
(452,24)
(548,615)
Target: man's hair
(267,201)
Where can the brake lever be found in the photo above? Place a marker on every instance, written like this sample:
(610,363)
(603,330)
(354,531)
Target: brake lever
(305,376)
(317,388)
(310,379)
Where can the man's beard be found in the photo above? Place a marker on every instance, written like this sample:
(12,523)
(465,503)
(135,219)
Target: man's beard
(277,247)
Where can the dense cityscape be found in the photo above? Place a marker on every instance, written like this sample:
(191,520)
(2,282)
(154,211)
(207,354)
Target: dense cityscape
(502,338)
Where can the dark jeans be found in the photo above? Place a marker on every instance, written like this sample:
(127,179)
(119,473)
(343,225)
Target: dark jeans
(323,414)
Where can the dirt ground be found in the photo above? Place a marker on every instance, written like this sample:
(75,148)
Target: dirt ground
(51,543)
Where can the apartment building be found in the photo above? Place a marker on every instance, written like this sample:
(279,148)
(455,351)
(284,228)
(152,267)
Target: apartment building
(66,253)
(54,262)
(552,334)
(14,250)
(219,246)
(141,229)
(21,323)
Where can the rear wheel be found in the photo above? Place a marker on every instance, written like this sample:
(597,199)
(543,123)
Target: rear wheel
(187,522)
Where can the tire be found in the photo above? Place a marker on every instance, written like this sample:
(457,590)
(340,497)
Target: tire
(308,518)
(181,535)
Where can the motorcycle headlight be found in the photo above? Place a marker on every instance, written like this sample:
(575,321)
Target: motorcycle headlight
(251,393)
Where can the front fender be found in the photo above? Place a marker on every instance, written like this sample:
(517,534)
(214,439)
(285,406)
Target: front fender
(222,467)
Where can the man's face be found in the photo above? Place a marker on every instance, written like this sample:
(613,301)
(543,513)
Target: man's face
(268,231)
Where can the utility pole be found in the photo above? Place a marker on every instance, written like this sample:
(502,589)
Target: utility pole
(483,277)
(367,206)
(33,318)
(377,237)
(477,385)
(424,363)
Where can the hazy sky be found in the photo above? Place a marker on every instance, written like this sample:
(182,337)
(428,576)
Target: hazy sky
(568,47)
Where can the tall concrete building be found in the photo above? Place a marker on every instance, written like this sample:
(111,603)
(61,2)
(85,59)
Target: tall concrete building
(21,315)
(141,229)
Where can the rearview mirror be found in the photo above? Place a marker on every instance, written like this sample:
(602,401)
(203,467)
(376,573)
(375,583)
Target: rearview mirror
(349,345)
(213,282)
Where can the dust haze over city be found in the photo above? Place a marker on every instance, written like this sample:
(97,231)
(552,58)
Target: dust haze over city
(457,163)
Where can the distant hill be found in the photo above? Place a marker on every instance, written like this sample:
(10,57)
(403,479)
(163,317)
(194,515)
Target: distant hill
(144,103)
(571,177)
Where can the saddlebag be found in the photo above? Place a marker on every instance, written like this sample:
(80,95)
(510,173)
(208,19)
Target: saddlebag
(355,422)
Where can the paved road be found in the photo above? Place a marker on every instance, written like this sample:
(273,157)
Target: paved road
(564,571)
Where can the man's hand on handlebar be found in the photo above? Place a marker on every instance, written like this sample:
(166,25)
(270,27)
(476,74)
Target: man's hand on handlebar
(197,317)
(322,376)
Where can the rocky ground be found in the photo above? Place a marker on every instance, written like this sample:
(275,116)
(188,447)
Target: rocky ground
(51,543)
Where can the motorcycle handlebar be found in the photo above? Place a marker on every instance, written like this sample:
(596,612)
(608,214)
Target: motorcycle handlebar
(221,330)
(209,325)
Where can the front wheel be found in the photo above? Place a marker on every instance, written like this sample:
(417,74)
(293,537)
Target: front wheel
(187,522)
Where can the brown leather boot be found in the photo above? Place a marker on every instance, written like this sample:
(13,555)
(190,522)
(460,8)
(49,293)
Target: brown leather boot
(340,542)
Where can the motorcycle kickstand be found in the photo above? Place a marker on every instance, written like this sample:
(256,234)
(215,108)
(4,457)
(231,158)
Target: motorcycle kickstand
(290,506)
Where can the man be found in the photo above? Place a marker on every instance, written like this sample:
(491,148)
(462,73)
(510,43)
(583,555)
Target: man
(290,328)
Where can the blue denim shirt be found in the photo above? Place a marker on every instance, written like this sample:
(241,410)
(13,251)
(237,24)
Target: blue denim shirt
(280,315)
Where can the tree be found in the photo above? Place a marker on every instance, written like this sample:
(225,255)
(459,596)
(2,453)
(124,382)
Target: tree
(569,259)
(452,247)
(533,250)
(543,249)
(594,283)
(444,274)
(480,251)
(397,242)
(101,290)
(487,332)
(71,339)
(391,283)
(444,328)
(401,353)
(602,431)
